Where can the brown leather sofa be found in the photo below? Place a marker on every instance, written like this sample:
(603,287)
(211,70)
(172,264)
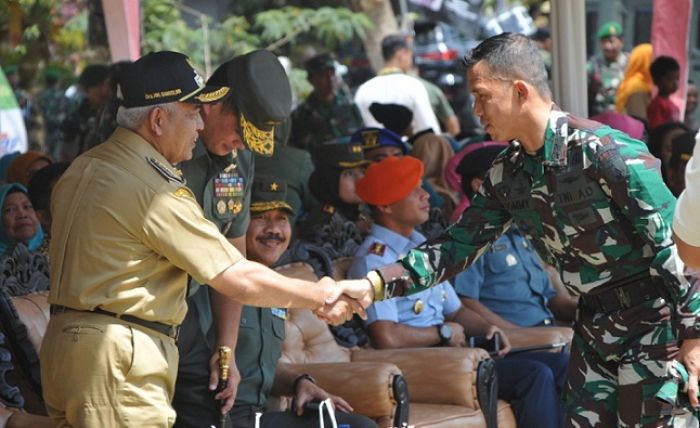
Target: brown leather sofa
(445,397)
(437,399)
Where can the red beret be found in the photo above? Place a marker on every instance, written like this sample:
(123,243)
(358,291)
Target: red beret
(390,180)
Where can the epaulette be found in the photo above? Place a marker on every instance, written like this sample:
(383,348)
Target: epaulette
(377,249)
(166,172)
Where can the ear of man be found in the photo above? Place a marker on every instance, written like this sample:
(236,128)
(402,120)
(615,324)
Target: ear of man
(522,90)
(157,119)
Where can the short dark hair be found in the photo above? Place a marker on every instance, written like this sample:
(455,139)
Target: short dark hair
(661,66)
(512,55)
(392,44)
(41,184)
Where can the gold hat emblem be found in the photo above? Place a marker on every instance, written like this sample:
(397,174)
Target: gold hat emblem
(612,30)
(369,138)
(356,149)
(274,186)
(418,306)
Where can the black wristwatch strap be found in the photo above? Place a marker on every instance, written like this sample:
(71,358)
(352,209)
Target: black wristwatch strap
(298,379)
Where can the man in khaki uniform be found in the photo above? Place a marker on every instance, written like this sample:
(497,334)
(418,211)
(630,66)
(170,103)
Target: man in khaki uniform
(126,233)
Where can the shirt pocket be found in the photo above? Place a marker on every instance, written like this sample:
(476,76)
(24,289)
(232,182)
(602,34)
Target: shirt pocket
(278,328)
(500,260)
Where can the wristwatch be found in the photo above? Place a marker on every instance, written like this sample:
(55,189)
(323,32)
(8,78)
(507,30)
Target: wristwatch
(445,333)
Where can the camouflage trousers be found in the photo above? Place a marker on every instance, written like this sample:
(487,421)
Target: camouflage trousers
(619,361)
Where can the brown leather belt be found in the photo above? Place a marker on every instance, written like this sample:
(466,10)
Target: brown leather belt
(624,294)
(172,331)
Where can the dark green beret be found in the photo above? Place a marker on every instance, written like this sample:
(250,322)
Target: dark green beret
(610,29)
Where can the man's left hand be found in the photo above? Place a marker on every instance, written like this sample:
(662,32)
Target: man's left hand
(228,394)
(689,355)
(308,391)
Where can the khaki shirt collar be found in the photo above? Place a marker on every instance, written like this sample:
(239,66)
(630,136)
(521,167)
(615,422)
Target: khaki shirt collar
(136,143)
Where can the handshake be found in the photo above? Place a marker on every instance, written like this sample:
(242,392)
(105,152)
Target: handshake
(353,296)
(344,298)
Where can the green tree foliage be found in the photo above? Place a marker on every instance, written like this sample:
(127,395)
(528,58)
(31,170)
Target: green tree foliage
(328,26)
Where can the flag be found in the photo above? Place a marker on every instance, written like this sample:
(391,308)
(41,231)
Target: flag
(13,134)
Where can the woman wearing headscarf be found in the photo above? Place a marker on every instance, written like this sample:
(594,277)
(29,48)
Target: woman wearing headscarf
(19,221)
(336,224)
(634,92)
(435,152)
(25,165)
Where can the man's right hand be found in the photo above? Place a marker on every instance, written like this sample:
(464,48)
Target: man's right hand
(340,311)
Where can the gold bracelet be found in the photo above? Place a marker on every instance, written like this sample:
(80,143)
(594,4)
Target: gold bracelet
(377,284)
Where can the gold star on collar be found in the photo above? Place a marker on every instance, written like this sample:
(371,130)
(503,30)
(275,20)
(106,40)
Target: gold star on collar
(273,186)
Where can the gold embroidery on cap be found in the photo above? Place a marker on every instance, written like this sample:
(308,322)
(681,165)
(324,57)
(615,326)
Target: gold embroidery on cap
(162,94)
(257,140)
(267,206)
(213,96)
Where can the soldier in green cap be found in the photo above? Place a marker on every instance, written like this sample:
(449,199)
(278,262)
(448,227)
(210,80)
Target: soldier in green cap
(326,114)
(591,201)
(262,331)
(220,176)
(606,70)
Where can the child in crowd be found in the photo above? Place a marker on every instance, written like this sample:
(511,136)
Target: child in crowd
(665,72)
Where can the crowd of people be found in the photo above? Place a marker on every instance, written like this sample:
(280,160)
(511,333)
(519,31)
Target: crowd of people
(162,201)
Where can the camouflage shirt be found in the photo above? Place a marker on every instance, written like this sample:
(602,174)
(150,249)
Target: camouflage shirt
(603,79)
(591,201)
(315,122)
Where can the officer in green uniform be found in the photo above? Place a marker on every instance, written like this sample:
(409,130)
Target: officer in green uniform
(592,202)
(606,70)
(262,330)
(326,114)
(338,224)
(220,176)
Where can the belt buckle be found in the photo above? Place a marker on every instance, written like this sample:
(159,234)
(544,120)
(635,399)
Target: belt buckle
(174,332)
(623,298)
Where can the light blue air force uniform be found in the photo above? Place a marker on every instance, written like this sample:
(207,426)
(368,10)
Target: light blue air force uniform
(424,309)
(510,281)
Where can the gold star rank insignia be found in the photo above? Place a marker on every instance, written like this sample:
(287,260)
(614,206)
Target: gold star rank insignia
(274,186)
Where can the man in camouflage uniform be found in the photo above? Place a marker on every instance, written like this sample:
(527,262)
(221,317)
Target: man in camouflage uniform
(592,202)
(606,70)
(326,114)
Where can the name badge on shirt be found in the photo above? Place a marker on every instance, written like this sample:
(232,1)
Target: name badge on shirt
(279,313)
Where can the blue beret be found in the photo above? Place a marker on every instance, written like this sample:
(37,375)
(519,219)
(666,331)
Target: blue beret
(372,138)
